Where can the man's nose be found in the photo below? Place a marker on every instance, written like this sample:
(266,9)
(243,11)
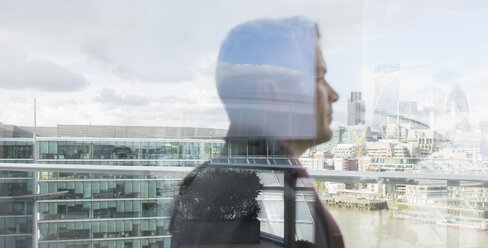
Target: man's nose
(333,96)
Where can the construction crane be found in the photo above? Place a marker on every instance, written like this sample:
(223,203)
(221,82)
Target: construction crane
(360,153)
(360,140)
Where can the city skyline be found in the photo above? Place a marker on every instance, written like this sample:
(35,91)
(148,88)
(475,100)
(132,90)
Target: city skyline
(110,110)
(133,209)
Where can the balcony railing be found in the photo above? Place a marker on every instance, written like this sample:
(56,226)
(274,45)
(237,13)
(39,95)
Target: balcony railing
(388,178)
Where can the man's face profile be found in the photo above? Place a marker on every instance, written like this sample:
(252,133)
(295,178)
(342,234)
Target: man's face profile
(325,96)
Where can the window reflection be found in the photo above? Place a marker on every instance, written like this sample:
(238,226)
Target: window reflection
(84,150)
(16,149)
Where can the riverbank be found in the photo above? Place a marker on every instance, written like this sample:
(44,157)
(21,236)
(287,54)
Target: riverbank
(361,204)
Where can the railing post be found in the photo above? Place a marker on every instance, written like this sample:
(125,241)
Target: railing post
(35,237)
(290,208)
(452,234)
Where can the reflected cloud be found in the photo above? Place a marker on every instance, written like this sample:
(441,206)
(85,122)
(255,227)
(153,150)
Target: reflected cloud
(266,78)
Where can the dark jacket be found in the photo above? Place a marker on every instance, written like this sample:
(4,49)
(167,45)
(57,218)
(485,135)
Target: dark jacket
(209,193)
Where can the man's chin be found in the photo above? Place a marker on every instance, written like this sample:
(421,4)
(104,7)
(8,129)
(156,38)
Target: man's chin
(324,136)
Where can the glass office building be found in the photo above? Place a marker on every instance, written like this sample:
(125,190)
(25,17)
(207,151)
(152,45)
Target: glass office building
(15,212)
(90,209)
(133,152)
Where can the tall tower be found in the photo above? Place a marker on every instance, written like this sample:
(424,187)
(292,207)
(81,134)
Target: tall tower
(386,94)
(356,109)
(458,109)
(409,110)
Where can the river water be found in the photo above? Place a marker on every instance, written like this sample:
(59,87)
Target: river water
(379,229)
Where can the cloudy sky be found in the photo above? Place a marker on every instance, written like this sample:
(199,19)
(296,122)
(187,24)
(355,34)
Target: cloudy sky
(153,62)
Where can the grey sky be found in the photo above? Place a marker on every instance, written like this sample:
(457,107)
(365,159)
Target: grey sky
(118,62)
(17,72)
(110,96)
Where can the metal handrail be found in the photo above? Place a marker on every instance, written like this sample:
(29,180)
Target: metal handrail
(329,175)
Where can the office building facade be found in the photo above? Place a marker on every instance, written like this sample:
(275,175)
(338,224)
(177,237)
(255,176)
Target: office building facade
(356,109)
(93,210)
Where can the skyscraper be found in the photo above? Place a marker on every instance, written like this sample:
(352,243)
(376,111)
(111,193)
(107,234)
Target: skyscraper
(407,111)
(386,93)
(457,109)
(356,109)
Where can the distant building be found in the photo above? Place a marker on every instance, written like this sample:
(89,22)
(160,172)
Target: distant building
(356,109)
(333,188)
(455,162)
(386,94)
(381,149)
(395,131)
(346,151)
(346,157)
(346,135)
(469,196)
(391,149)
(404,150)
(426,140)
(457,109)
(314,163)
(468,141)
(408,110)
(393,164)
(431,196)
(352,165)
(426,193)
(391,155)
(318,160)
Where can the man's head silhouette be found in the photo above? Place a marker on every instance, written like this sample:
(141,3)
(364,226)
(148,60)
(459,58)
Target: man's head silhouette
(270,77)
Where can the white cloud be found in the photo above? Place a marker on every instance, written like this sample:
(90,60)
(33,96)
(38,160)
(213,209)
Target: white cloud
(111,97)
(56,48)
(17,72)
(382,17)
